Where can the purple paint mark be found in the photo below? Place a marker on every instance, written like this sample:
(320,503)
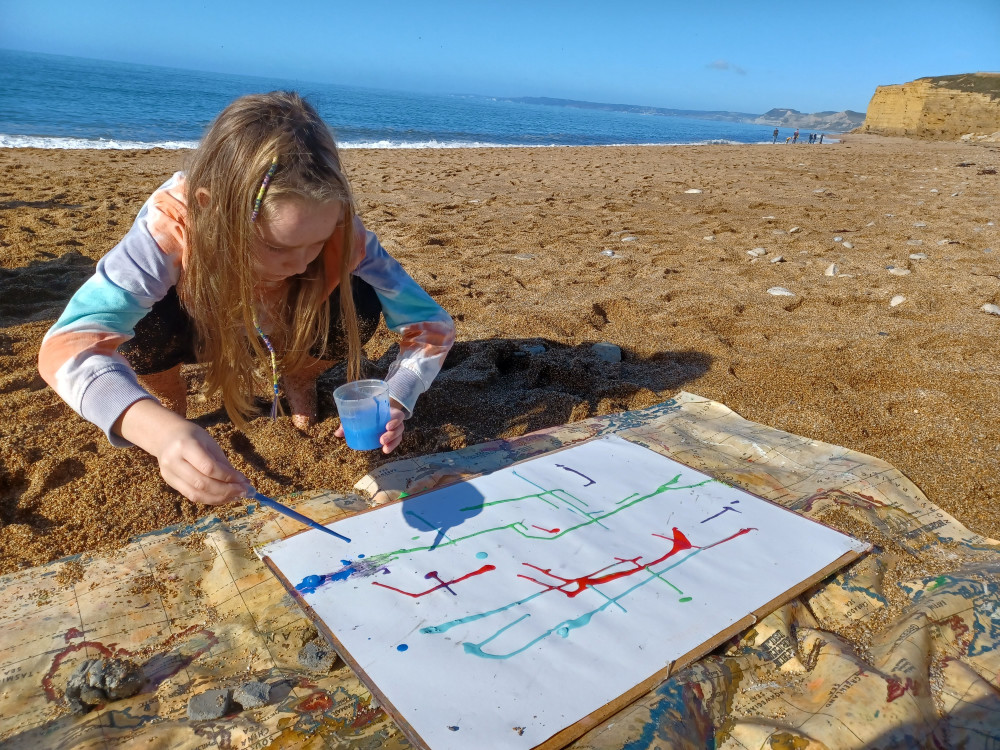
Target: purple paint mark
(589,480)
(433,575)
(724,509)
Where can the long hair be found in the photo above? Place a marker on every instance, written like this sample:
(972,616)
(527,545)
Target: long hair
(219,281)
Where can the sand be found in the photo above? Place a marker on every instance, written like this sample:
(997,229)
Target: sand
(515,244)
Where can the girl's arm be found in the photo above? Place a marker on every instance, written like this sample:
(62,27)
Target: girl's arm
(79,357)
(427,331)
(190,460)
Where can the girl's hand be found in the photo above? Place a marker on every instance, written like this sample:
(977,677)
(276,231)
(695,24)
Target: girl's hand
(190,460)
(393,428)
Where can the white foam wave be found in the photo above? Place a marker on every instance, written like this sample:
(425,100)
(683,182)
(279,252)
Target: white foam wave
(30,141)
(36,141)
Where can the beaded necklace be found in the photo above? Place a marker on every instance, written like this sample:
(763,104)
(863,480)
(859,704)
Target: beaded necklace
(260,332)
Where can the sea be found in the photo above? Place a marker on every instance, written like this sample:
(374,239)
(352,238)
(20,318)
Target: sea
(53,101)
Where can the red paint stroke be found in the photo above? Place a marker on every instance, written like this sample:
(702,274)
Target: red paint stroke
(154,671)
(366,715)
(72,633)
(897,688)
(548,531)
(581,583)
(318,701)
(443,584)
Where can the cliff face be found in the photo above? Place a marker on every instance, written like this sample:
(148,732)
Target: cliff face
(947,107)
(829,121)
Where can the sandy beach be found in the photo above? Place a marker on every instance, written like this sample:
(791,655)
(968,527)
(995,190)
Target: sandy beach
(562,248)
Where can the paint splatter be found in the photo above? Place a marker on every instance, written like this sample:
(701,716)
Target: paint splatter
(481,555)
(402,647)
(443,584)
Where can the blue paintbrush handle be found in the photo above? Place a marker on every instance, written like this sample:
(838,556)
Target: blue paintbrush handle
(265,500)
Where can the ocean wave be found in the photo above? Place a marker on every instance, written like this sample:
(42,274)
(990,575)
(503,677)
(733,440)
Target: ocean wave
(37,141)
(32,141)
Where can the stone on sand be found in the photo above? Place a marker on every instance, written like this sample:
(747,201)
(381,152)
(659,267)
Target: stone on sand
(607,352)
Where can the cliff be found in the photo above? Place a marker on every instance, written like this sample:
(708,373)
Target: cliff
(792,118)
(946,107)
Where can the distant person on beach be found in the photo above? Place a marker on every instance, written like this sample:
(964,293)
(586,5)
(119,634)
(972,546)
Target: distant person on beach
(795,136)
(255,263)
(775,136)
(821,137)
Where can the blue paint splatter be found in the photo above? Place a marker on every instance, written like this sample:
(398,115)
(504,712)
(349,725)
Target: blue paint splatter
(481,555)
(402,647)
(361,555)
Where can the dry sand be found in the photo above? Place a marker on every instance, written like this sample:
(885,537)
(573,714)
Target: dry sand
(510,241)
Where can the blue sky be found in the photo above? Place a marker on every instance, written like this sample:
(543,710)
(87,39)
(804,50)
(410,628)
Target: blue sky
(747,55)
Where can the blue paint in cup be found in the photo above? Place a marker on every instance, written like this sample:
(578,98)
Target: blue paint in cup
(363,406)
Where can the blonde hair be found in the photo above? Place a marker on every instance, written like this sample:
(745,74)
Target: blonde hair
(218,285)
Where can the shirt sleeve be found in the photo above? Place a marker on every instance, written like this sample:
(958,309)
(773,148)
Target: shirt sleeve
(78,356)
(426,330)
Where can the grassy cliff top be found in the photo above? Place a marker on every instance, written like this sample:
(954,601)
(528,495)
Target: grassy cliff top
(976,83)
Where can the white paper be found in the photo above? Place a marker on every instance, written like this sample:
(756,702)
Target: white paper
(498,611)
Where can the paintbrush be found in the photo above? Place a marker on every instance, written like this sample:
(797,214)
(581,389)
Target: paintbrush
(275,505)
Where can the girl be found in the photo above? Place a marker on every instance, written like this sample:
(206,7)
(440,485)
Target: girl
(254,261)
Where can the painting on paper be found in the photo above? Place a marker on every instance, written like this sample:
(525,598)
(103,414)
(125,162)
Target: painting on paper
(498,611)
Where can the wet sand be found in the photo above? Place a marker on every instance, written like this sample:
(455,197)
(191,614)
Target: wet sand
(563,248)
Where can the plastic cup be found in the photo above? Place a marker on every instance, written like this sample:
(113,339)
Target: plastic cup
(363,406)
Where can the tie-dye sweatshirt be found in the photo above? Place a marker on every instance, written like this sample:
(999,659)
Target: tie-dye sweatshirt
(79,357)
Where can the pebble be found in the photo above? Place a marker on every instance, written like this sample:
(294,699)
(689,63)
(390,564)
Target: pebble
(525,256)
(757,252)
(899,271)
(692,191)
(98,681)
(793,230)
(780,291)
(943,242)
(778,259)
(920,224)
(848,245)
(767,218)
(777,231)
(821,190)
(212,704)
(709,238)
(317,656)
(630,238)
(918,256)
(607,352)
(872,223)
(610,253)
(990,308)
(838,239)
(934,190)
(897,300)
(831,270)
(914,242)
(252,694)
